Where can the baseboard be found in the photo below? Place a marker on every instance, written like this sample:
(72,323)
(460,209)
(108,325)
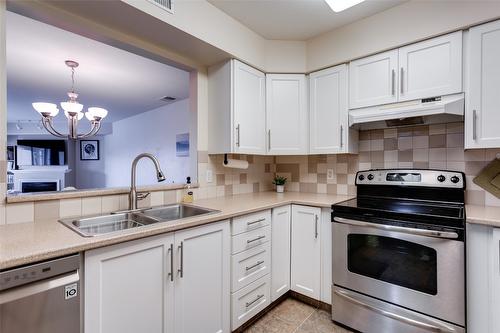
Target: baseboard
(311,301)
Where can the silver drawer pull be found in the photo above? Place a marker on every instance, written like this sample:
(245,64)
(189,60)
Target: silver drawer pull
(255,239)
(256,221)
(258,263)
(255,300)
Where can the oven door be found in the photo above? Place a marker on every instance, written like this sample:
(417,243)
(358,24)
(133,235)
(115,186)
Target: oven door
(402,266)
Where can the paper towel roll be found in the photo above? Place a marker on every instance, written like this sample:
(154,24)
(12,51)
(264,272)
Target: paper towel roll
(235,164)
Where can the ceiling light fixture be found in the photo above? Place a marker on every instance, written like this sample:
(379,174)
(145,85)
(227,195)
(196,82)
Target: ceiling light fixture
(340,5)
(72,111)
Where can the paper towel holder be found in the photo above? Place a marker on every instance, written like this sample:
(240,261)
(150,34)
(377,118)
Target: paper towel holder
(225,159)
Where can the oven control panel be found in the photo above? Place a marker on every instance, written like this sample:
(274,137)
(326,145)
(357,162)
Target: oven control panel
(411,177)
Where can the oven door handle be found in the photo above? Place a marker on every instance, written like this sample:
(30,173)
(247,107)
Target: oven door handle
(435,327)
(412,231)
(37,287)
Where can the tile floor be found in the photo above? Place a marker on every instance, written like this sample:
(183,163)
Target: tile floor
(292,316)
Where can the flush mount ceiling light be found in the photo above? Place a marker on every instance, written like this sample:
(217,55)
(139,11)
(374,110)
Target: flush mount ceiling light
(72,111)
(340,5)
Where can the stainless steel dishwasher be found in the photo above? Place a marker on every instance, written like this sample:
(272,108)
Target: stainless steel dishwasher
(42,298)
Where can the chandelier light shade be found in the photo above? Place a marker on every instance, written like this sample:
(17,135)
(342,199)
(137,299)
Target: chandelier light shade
(72,110)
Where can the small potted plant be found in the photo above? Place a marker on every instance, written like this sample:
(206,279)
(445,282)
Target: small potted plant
(279,181)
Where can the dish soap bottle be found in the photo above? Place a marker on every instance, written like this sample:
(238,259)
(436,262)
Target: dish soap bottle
(188,196)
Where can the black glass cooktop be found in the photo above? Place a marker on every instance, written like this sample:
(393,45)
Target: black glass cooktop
(420,211)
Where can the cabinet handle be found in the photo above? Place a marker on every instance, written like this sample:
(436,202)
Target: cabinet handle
(255,239)
(258,263)
(238,135)
(256,221)
(255,300)
(181,265)
(401,80)
(341,136)
(269,140)
(171,250)
(316,226)
(474,125)
(393,82)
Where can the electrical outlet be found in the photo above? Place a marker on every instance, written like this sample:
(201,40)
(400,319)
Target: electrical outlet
(209,176)
(329,174)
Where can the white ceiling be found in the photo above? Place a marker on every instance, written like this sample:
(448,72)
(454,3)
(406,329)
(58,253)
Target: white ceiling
(296,19)
(122,82)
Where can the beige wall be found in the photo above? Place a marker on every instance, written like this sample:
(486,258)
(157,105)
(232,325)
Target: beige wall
(409,22)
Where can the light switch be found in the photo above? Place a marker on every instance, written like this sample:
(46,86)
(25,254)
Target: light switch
(209,177)
(329,174)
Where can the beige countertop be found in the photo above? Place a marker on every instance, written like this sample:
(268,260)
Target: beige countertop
(25,243)
(487,215)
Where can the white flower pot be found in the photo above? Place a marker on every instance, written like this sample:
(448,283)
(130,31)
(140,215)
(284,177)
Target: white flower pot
(280,188)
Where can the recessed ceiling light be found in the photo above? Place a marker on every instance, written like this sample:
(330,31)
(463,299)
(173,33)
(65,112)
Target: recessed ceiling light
(340,5)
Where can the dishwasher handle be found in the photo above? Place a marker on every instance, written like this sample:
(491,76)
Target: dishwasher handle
(14,294)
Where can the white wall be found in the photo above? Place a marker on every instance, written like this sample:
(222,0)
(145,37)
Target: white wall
(154,132)
(409,22)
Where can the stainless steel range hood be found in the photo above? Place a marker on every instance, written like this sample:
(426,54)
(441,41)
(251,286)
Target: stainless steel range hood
(433,110)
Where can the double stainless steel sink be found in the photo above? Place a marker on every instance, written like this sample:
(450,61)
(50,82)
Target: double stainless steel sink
(98,225)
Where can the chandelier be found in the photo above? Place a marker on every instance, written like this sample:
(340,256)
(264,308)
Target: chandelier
(72,111)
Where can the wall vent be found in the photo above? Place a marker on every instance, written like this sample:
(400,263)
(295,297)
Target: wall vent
(165,4)
(168,99)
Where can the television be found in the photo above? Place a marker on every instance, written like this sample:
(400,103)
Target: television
(41,152)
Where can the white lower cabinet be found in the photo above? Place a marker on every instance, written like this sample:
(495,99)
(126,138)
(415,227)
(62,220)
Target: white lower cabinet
(178,282)
(250,300)
(306,251)
(483,279)
(280,251)
(326,256)
(250,266)
(128,288)
(202,288)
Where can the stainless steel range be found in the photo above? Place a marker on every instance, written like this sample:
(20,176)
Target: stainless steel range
(398,253)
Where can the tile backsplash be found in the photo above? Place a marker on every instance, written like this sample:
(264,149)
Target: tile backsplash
(438,146)
(430,146)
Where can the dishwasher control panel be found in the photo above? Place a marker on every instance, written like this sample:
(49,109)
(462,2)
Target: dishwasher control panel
(14,277)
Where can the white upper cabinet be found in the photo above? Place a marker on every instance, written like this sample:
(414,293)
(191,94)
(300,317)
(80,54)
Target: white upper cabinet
(482,112)
(236,109)
(287,117)
(329,131)
(431,68)
(373,80)
(426,69)
(249,109)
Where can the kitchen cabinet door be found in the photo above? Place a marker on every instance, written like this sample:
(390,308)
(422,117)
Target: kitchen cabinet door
(373,80)
(249,109)
(280,251)
(306,251)
(431,68)
(329,131)
(326,256)
(286,113)
(128,288)
(482,114)
(202,289)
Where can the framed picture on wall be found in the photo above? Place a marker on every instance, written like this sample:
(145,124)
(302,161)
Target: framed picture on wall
(182,145)
(89,150)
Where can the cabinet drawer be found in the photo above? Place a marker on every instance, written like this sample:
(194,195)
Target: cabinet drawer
(250,222)
(249,301)
(250,265)
(251,239)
